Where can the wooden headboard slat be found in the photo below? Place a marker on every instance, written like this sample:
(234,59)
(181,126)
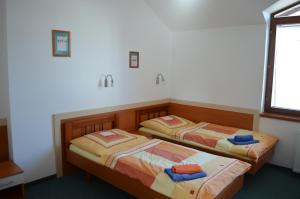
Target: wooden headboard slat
(150,113)
(77,127)
(80,127)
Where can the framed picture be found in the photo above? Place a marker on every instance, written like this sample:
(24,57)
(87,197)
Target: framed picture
(61,43)
(134,59)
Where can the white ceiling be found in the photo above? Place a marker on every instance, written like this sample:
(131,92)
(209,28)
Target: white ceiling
(181,15)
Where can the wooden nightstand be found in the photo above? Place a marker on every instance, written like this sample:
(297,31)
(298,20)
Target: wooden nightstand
(11,181)
(137,132)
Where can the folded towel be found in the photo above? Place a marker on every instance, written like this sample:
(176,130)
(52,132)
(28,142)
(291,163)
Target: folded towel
(187,168)
(242,143)
(183,177)
(243,138)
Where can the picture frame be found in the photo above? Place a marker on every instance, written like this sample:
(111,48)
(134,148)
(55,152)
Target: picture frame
(61,43)
(134,59)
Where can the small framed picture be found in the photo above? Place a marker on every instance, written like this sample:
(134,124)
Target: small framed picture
(61,43)
(134,59)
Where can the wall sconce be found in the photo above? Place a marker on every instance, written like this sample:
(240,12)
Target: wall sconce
(159,78)
(106,81)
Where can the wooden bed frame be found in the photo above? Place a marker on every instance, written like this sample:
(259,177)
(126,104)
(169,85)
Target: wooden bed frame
(79,127)
(150,113)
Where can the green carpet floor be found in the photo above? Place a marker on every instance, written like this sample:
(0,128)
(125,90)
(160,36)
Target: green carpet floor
(270,183)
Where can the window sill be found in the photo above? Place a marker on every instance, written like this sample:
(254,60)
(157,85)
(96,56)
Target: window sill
(281,117)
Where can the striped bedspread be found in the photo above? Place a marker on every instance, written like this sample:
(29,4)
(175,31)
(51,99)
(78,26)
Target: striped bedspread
(146,163)
(216,136)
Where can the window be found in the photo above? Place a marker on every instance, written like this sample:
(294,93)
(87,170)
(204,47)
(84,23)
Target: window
(283,72)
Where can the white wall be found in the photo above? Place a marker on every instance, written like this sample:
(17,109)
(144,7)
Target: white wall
(287,133)
(103,31)
(226,66)
(223,66)
(4,95)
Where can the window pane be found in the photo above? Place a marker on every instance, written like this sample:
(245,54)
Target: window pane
(286,84)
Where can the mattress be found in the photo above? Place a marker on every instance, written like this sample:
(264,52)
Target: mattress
(85,154)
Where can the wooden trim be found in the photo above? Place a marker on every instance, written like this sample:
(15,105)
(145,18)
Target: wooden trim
(253,112)
(212,115)
(286,20)
(280,117)
(4,145)
(76,114)
(9,168)
(215,106)
(281,111)
(270,67)
(198,114)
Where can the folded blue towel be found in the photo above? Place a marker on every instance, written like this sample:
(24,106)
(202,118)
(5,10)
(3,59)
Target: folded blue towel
(183,177)
(242,143)
(243,138)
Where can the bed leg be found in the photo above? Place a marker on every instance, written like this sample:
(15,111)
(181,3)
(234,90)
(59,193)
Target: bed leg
(68,169)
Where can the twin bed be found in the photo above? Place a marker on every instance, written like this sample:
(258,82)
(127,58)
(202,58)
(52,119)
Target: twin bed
(204,136)
(136,164)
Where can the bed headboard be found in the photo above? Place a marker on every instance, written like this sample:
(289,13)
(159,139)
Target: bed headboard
(150,113)
(78,127)
(228,116)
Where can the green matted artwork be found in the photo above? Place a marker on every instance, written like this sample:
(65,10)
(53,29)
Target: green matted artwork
(61,43)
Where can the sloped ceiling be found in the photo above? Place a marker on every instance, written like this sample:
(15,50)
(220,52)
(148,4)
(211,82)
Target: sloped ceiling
(180,15)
